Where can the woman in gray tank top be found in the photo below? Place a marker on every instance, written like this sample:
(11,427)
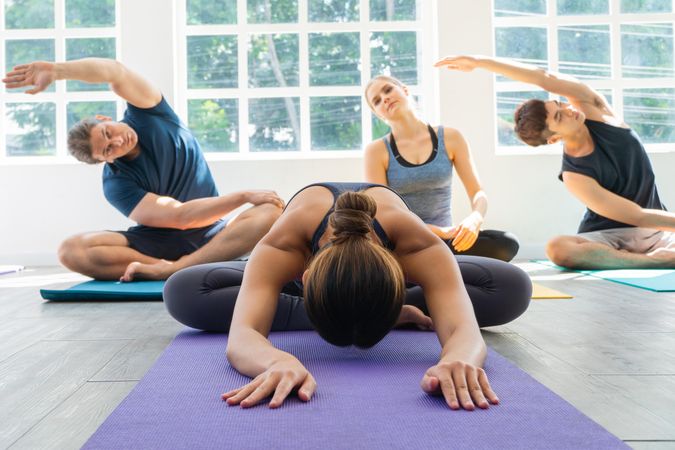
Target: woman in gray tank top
(417,161)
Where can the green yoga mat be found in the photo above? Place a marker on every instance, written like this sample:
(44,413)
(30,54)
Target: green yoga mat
(657,280)
(107,290)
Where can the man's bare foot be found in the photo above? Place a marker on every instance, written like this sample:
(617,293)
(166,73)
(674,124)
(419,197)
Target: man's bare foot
(158,271)
(666,256)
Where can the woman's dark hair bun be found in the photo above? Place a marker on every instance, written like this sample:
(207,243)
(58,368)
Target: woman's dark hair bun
(353,216)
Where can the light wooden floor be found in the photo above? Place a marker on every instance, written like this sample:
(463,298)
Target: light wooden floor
(64,367)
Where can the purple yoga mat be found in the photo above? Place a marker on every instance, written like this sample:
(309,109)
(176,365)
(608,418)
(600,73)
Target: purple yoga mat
(365,399)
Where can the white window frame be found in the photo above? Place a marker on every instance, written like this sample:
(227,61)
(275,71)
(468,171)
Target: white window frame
(60,96)
(616,83)
(425,26)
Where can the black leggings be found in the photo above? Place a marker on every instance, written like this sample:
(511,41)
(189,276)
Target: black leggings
(492,244)
(203,296)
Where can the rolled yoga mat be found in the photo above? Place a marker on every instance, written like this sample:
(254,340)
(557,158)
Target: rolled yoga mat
(657,280)
(4,269)
(107,290)
(366,399)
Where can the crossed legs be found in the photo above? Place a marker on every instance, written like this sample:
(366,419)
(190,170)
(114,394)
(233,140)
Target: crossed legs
(578,253)
(107,256)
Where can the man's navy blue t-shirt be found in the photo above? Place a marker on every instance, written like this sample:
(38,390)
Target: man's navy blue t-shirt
(619,163)
(170,162)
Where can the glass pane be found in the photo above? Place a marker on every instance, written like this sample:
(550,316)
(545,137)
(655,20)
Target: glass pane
(582,7)
(334,10)
(525,44)
(24,51)
(380,128)
(85,13)
(647,50)
(334,59)
(584,51)
(651,113)
(394,53)
(336,123)
(272,11)
(31,129)
(273,60)
(507,102)
(274,124)
(646,6)
(211,12)
(83,110)
(21,14)
(86,48)
(388,10)
(509,8)
(212,62)
(215,124)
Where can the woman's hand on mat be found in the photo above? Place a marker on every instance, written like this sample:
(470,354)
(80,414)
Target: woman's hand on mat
(259,197)
(413,315)
(461,63)
(465,234)
(278,381)
(461,384)
(39,74)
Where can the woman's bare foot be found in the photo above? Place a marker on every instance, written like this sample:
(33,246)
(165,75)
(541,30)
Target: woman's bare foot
(158,271)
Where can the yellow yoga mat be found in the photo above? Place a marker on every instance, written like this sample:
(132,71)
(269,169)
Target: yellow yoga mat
(540,292)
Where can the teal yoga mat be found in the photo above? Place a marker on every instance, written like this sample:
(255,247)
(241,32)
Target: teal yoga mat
(107,290)
(657,280)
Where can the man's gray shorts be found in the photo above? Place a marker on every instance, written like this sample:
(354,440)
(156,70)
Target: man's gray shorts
(632,239)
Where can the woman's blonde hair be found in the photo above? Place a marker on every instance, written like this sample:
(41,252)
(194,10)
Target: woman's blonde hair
(355,288)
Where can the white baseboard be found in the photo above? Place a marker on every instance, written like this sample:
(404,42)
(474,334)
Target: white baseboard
(532,251)
(527,251)
(31,259)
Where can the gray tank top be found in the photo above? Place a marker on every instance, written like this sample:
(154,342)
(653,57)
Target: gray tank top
(425,187)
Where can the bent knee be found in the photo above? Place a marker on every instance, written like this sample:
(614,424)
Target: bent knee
(509,248)
(70,252)
(563,251)
(266,214)
(203,296)
(519,289)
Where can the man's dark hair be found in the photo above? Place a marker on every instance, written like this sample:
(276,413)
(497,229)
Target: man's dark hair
(530,122)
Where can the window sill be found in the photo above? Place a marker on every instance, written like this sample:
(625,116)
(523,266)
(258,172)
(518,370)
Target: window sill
(317,155)
(556,149)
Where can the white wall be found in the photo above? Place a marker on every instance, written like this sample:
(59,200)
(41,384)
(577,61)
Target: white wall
(42,204)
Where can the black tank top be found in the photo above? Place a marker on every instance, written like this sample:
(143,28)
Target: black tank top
(336,189)
(619,163)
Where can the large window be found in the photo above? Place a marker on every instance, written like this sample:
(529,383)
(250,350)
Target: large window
(288,75)
(52,30)
(623,48)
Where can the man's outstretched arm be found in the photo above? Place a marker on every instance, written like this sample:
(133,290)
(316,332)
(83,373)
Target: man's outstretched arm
(124,82)
(556,83)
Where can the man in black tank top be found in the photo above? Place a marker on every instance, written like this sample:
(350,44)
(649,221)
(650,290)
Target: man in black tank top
(604,165)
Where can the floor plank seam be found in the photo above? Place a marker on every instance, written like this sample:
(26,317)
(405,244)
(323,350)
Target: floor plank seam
(631,374)
(89,340)
(131,380)
(103,366)
(46,415)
